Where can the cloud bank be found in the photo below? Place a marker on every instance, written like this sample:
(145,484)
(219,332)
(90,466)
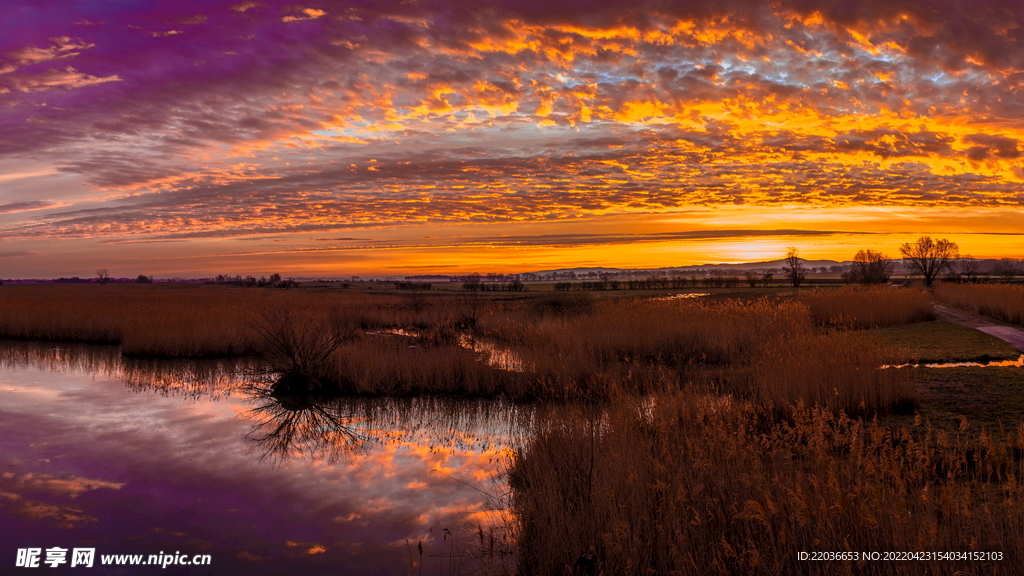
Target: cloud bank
(235,119)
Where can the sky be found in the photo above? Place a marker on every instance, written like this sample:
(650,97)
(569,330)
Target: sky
(419,136)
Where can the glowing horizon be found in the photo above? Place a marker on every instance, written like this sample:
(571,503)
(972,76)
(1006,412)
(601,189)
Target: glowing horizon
(336,138)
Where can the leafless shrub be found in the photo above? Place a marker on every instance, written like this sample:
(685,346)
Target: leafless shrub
(301,342)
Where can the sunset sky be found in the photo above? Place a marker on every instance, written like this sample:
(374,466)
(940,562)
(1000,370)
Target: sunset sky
(389,137)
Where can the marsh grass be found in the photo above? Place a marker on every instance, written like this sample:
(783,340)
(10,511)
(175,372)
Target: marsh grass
(146,320)
(713,437)
(869,306)
(1000,301)
(568,345)
(695,485)
(768,351)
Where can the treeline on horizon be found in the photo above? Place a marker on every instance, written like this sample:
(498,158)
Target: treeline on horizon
(929,258)
(959,269)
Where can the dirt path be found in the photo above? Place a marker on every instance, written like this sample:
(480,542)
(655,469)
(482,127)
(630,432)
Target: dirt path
(1012,335)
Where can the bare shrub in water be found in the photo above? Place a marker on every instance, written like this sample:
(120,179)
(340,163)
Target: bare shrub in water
(301,342)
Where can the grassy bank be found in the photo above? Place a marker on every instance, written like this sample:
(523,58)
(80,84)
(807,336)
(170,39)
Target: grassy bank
(938,342)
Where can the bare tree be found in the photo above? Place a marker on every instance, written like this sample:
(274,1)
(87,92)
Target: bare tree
(929,258)
(766,278)
(1007,268)
(871,267)
(751,277)
(969,268)
(103,275)
(793,268)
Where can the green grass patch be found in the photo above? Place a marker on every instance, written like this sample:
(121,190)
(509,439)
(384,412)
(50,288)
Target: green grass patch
(987,397)
(939,341)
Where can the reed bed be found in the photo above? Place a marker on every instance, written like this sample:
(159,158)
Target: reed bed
(692,485)
(768,351)
(561,346)
(1000,301)
(869,306)
(182,320)
(725,440)
(144,320)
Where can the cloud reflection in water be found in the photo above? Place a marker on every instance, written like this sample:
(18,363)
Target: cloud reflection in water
(131,456)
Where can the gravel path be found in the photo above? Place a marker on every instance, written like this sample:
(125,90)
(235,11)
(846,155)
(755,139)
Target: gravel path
(1012,335)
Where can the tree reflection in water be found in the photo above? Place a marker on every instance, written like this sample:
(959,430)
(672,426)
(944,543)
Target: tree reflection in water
(412,455)
(289,425)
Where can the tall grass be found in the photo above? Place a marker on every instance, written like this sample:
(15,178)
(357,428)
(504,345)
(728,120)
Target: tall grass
(869,306)
(1001,301)
(144,320)
(763,350)
(179,320)
(704,485)
(725,443)
(565,345)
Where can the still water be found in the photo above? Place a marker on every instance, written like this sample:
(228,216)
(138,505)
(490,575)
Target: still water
(136,457)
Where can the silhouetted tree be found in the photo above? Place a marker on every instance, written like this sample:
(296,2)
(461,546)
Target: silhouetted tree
(929,258)
(751,278)
(871,267)
(793,268)
(103,275)
(474,282)
(1007,268)
(143,279)
(968,268)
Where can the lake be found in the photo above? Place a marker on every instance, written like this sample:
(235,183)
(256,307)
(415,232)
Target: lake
(199,461)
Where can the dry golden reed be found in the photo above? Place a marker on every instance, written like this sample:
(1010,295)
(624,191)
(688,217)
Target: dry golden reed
(145,320)
(869,306)
(1002,301)
(559,346)
(159,319)
(764,350)
(693,486)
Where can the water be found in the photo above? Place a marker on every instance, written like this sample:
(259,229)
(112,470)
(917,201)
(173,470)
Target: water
(1018,363)
(150,457)
(682,296)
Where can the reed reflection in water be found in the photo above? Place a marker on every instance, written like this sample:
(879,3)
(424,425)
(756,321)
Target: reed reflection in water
(200,377)
(187,454)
